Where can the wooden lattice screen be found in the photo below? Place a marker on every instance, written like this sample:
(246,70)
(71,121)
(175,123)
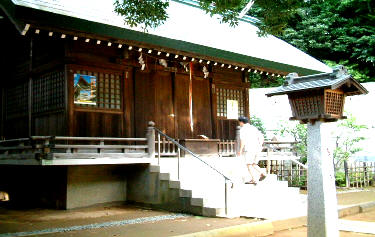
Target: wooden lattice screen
(223,94)
(17,100)
(334,100)
(48,92)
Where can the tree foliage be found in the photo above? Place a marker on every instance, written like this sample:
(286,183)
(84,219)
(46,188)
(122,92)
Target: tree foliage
(263,81)
(347,140)
(338,32)
(258,123)
(274,14)
(149,13)
(299,133)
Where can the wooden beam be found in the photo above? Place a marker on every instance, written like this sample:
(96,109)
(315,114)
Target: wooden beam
(213,110)
(30,97)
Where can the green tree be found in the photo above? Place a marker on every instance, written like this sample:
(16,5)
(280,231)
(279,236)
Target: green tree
(347,140)
(258,123)
(342,32)
(264,81)
(273,14)
(299,133)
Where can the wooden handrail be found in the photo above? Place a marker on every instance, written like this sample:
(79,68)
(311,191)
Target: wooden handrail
(279,142)
(100,146)
(15,140)
(87,138)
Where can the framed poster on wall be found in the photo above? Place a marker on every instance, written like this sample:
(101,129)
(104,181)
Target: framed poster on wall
(84,89)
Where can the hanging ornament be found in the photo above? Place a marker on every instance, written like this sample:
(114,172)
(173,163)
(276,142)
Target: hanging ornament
(185,65)
(205,71)
(142,62)
(163,62)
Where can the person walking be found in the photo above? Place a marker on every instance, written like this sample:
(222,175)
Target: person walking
(251,142)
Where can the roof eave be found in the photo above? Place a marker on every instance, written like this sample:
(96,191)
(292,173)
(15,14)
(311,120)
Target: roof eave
(10,10)
(61,22)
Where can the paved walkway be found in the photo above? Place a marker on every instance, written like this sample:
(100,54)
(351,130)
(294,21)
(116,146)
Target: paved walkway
(132,221)
(362,224)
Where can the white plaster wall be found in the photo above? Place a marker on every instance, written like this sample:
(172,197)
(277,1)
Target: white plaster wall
(276,110)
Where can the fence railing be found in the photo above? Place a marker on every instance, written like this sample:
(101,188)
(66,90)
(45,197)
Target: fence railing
(356,174)
(22,148)
(54,147)
(288,170)
(227,147)
(360,174)
(165,148)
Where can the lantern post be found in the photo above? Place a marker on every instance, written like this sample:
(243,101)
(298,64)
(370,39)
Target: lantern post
(316,100)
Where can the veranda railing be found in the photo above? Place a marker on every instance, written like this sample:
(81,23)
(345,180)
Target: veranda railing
(54,147)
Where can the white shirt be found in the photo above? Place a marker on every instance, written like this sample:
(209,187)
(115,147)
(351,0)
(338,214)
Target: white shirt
(251,137)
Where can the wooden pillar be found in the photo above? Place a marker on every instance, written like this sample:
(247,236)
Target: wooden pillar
(213,110)
(30,102)
(2,113)
(151,139)
(238,140)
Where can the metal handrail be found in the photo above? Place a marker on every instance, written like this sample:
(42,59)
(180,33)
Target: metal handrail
(191,153)
(299,163)
(197,157)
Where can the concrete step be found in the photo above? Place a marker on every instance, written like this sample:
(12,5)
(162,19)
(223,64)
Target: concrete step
(154,169)
(207,196)
(197,202)
(164,176)
(185,193)
(174,184)
(214,212)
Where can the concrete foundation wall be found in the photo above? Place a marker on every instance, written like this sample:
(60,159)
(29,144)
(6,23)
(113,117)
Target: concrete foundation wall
(143,186)
(34,186)
(67,187)
(96,184)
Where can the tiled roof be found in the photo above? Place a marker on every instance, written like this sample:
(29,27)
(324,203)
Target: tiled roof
(333,80)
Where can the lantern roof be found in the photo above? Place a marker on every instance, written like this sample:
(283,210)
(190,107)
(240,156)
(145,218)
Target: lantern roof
(338,79)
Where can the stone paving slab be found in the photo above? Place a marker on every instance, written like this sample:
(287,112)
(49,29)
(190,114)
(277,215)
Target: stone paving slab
(357,226)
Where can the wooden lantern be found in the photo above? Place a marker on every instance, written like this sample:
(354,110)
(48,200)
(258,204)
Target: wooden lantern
(319,96)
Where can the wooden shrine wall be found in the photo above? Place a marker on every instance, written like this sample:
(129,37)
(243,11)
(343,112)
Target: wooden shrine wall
(14,64)
(127,98)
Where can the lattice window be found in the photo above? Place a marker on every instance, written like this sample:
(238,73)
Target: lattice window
(105,90)
(17,100)
(48,92)
(223,95)
(334,102)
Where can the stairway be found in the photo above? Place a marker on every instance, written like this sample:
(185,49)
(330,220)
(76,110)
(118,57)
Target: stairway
(201,191)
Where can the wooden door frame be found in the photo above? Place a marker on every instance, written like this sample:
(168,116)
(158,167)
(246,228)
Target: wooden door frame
(245,99)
